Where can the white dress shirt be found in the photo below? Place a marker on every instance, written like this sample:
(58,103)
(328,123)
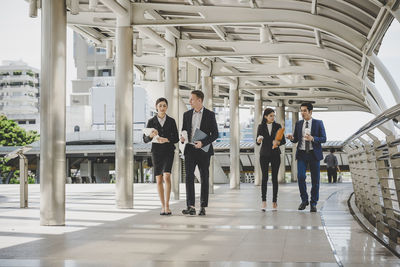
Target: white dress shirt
(269,127)
(303,142)
(162,121)
(196,120)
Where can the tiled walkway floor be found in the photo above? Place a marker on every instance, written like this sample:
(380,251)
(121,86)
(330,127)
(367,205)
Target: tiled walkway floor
(234,233)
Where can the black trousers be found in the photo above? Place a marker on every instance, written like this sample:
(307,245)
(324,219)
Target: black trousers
(332,173)
(196,157)
(275,161)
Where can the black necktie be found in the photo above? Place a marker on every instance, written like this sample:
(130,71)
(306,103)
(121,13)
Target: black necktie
(307,142)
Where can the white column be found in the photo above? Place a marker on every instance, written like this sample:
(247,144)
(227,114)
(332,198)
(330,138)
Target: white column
(124,114)
(280,118)
(295,118)
(257,120)
(234,136)
(207,85)
(172,95)
(52,113)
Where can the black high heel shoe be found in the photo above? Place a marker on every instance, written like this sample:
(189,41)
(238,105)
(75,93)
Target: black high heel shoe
(163,212)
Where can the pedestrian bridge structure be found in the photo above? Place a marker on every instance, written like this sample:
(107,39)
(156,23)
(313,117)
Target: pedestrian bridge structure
(239,53)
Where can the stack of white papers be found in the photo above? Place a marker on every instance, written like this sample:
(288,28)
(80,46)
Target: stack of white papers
(148,131)
(182,145)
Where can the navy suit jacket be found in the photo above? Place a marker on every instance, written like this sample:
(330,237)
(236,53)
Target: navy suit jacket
(317,131)
(208,125)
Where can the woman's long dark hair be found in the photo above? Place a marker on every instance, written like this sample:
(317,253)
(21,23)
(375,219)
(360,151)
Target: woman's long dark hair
(161,99)
(267,111)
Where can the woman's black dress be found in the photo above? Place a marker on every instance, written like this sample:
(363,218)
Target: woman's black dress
(163,154)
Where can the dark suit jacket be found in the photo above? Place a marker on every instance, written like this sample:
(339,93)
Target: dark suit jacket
(208,125)
(266,147)
(169,130)
(317,131)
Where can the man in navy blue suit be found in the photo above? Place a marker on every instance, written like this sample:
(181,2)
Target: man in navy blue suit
(310,133)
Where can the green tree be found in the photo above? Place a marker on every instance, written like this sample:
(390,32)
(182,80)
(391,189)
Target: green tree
(13,135)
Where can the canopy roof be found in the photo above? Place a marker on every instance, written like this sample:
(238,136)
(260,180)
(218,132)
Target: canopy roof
(294,51)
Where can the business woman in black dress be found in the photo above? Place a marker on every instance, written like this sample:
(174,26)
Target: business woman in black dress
(162,151)
(266,133)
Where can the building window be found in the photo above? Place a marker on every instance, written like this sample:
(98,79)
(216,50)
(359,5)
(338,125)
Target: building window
(21,122)
(90,73)
(104,73)
(31,121)
(100,51)
(107,72)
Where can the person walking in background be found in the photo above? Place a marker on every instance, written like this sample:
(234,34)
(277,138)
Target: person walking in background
(310,133)
(198,152)
(164,136)
(331,166)
(269,153)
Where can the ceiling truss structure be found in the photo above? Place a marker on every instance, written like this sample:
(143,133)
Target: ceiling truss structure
(293,50)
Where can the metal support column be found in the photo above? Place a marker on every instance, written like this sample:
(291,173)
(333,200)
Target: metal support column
(257,120)
(68,168)
(207,86)
(90,171)
(124,114)
(234,136)
(280,118)
(52,113)
(172,95)
(295,118)
(23,181)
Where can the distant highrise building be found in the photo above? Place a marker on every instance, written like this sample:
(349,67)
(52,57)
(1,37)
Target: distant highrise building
(19,93)
(92,102)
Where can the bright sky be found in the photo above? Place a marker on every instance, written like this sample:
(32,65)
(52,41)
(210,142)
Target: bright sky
(20,40)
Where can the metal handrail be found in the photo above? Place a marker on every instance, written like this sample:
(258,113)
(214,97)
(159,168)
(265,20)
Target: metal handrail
(374,167)
(385,116)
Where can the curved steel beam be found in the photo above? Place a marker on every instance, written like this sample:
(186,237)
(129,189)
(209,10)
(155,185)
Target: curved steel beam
(391,83)
(188,48)
(296,70)
(309,84)
(211,15)
(322,95)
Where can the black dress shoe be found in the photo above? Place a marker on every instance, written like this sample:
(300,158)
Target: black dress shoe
(303,205)
(313,208)
(189,211)
(202,212)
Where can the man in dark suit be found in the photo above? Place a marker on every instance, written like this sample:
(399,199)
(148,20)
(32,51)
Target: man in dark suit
(198,118)
(310,133)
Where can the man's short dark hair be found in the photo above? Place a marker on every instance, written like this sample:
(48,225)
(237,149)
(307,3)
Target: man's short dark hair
(199,94)
(308,105)
(332,150)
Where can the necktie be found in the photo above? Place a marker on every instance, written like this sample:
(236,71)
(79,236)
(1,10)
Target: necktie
(307,142)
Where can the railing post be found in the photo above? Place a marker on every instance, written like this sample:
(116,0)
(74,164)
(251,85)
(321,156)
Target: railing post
(383,170)
(394,162)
